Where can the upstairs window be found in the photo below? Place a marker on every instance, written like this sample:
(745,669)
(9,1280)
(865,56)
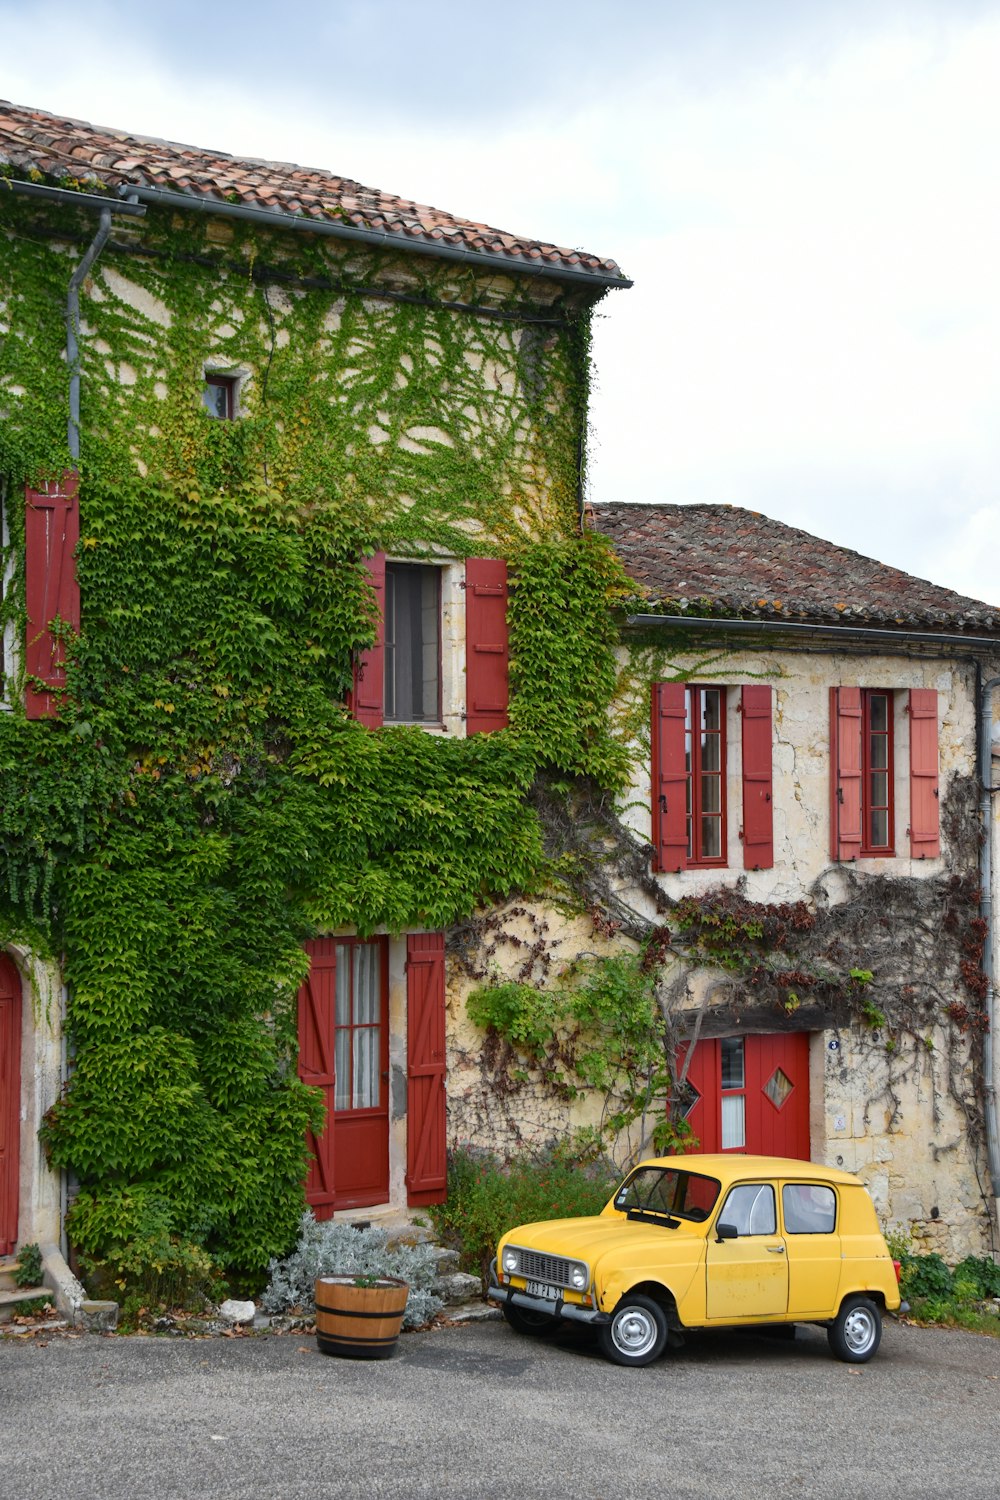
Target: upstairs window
(412,644)
(705,768)
(877,829)
(867,770)
(219,396)
(690,757)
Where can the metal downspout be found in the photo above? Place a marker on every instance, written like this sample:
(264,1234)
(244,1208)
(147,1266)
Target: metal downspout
(73,327)
(986,912)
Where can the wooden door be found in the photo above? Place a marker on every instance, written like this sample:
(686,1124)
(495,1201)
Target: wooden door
(344,1049)
(10,1102)
(750,1094)
(426,1108)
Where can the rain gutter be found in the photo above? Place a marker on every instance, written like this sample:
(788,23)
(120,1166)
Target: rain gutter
(986,791)
(830,634)
(187,202)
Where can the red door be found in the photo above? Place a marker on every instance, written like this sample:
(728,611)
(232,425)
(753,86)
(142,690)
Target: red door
(750,1094)
(10,1102)
(344,1050)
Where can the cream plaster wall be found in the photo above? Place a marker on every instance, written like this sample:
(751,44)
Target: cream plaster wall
(39,1196)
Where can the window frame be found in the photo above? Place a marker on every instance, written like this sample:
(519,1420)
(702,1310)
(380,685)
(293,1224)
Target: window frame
(696,858)
(221,380)
(390,645)
(870,850)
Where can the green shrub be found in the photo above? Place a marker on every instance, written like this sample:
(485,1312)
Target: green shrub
(981,1273)
(29,1266)
(486,1197)
(925,1276)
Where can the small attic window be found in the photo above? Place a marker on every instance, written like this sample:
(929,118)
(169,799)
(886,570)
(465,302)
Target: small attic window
(219,396)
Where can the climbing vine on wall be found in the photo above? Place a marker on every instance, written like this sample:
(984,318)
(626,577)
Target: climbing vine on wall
(204,802)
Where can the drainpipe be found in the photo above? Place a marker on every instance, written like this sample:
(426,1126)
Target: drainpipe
(986,791)
(73,328)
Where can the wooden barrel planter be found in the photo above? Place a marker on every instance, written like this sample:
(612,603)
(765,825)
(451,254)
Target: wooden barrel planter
(359,1322)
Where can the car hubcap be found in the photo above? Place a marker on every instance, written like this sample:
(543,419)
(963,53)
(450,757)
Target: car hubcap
(859,1330)
(634,1331)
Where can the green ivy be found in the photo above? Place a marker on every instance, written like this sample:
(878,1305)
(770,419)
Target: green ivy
(204,803)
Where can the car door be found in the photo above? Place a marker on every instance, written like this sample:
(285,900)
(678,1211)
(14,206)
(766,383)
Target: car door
(747,1276)
(812,1240)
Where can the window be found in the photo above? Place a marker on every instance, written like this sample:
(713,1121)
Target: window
(690,766)
(219,396)
(751,1209)
(412,644)
(877,833)
(868,770)
(808,1208)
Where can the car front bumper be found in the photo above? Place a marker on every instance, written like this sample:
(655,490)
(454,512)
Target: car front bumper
(557,1309)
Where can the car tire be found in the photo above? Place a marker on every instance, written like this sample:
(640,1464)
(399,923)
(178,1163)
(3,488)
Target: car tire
(523,1320)
(856,1332)
(637,1333)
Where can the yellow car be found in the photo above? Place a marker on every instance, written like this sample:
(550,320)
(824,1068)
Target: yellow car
(707,1242)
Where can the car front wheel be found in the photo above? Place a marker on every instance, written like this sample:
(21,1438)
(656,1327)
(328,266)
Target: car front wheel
(856,1332)
(637,1333)
(523,1320)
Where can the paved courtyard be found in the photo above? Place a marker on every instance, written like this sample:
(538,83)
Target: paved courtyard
(478,1413)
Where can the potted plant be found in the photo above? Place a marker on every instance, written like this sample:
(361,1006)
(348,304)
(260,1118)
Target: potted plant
(359,1317)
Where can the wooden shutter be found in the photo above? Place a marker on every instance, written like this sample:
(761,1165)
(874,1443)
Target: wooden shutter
(10,1102)
(486,653)
(426,1137)
(368,696)
(845,772)
(669,776)
(758,814)
(317,998)
(51,534)
(925,822)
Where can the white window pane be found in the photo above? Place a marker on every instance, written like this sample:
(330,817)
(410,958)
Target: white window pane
(732,1062)
(366,1079)
(366,983)
(342,1066)
(343,994)
(733,1122)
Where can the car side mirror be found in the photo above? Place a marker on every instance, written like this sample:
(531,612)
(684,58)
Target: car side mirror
(726,1232)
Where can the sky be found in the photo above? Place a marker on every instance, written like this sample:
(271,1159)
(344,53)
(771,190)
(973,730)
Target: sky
(805,192)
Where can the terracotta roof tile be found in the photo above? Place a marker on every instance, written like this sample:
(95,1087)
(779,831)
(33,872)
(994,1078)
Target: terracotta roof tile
(702,559)
(59,146)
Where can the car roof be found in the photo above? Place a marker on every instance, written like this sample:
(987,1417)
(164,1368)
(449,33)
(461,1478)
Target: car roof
(730,1167)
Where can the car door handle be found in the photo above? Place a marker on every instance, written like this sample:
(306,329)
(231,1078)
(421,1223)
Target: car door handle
(775,1249)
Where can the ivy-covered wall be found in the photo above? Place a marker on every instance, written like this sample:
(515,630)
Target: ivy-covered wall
(204,803)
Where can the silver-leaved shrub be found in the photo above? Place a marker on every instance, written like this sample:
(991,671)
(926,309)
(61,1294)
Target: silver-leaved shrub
(338,1249)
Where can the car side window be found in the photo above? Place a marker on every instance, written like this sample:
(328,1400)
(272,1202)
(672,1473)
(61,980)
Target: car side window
(808,1208)
(751,1208)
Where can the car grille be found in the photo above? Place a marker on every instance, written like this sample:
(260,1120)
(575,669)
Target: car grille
(554,1269)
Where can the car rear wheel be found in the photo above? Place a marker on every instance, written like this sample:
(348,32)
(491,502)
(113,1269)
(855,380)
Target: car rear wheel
(523,1320)
(637,1333)
(856,1332)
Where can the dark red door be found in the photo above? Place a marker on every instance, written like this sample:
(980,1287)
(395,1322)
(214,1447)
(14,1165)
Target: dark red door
(10,1102)
(344,1049)
(750,1094)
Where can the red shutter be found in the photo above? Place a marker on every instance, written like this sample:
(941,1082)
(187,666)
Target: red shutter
(426,1138)
(368,697)
(486,690)
(316,1066)
(669,776)
(925,822)
(845,772)
(51,534)
(10,1102)
(758,815)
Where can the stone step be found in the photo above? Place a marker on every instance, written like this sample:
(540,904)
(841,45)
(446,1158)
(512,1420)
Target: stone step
(11,1298)
(8,1266)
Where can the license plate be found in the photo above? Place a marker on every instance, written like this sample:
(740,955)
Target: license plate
(543,1290)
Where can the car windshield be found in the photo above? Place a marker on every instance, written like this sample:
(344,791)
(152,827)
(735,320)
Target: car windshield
(663,1190)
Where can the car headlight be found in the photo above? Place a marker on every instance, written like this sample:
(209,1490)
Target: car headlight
(578,1278)
(511,1261)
